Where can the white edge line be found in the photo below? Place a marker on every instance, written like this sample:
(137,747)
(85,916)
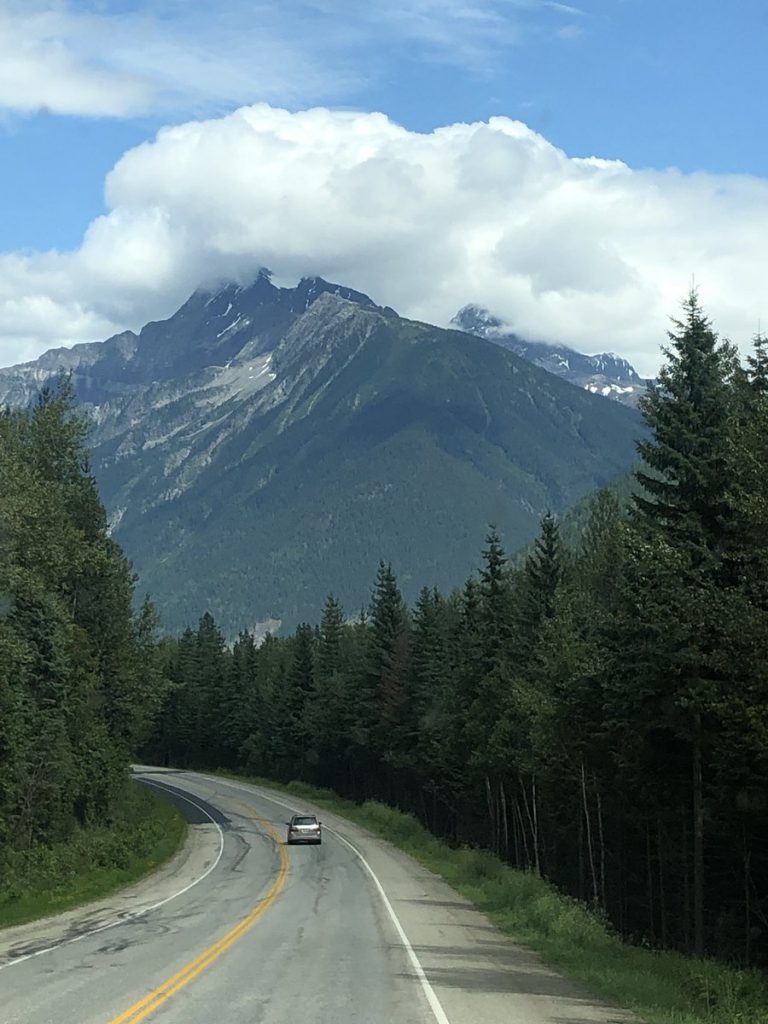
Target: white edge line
(211,867)
(132,914)
(429,992)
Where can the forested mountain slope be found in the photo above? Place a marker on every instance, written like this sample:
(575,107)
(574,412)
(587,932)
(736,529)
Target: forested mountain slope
(264,441)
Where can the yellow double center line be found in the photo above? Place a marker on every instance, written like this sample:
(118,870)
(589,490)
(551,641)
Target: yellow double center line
(141,1010)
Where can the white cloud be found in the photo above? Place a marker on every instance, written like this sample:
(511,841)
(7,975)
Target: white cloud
(67,59)
(563,8)
(103,58)
(570,32)
(582,251)
(40,69)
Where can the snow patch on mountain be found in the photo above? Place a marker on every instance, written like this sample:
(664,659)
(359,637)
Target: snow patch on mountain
(605,374)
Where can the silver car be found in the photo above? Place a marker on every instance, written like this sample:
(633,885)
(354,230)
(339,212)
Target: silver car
(304,828)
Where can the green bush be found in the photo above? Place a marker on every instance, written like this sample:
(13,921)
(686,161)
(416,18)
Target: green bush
(146,830)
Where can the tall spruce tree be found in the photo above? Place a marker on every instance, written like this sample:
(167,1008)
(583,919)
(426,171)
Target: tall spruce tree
(686,510)
(299,688)
(689,410)
(330,711)
(542,574)
(389,643)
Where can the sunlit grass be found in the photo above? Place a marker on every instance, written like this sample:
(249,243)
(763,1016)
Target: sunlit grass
(94,863)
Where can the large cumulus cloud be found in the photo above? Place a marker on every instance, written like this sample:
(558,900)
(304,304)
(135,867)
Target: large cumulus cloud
(583,251)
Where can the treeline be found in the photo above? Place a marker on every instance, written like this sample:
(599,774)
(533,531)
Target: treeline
(78,682)
(598,714)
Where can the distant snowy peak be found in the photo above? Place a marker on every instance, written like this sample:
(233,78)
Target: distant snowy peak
(476,320)
(615,366)
(613,390)
(605,373)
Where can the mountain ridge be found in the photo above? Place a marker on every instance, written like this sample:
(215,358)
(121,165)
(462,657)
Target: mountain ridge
(605,373)
(272,467)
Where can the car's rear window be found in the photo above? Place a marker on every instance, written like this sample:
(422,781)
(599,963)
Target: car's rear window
(305,821)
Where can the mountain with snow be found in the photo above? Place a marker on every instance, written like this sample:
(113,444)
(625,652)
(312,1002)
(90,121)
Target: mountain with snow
(264,446)
(605,374)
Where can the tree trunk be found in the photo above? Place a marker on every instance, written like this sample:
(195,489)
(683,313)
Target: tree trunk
(504,822)
(532,821)
(425,813)
(601,835)
(649,875)
(491,814)
(686,890)
(662,895)
(747,904)
(536,846)
(698,841)
(590,848)
(524,835)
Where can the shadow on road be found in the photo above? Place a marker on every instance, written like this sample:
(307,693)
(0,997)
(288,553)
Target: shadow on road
(192,814)
(488,962)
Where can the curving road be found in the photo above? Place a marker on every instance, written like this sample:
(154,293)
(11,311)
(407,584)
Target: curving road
(240,929)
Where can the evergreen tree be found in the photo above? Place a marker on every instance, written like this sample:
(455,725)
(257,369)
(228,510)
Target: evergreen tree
(299,686)
(542,575)
(330,711)
(329,649)
(687,509)
(78,683)
(689,409)
(494,602)
(389,653)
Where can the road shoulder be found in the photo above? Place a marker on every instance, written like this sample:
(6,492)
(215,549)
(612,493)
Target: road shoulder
(477,973)
(187,866)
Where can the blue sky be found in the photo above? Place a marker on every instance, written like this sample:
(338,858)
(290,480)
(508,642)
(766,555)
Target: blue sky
(654,84)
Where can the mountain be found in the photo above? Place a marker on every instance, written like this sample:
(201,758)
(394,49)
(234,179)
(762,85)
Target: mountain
(210,330)
(266,445)
(604,374)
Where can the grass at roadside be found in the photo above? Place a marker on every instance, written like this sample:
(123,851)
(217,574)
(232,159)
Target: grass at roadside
(95,862)
(660,987)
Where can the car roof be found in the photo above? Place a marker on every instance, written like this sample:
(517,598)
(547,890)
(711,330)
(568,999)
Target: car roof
(308,817)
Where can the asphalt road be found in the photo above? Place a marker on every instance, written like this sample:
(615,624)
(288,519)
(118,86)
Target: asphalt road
(241,929)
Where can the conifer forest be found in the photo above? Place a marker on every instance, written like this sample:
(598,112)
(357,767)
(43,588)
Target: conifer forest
(594,711)
(78,680)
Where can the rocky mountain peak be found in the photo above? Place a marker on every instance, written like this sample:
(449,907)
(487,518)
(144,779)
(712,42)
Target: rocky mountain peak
(605,374)
(215,327)
(476,320)
(250,446)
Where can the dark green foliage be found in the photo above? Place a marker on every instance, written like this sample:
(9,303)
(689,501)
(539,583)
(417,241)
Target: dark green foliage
(79,680)
(388,651)
(143,832)
(689,408)
(596,710)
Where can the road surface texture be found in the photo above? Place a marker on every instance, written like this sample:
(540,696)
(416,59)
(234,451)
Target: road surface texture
(241,929)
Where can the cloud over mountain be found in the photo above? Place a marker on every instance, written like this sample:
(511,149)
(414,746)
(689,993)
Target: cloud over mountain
(586,252)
